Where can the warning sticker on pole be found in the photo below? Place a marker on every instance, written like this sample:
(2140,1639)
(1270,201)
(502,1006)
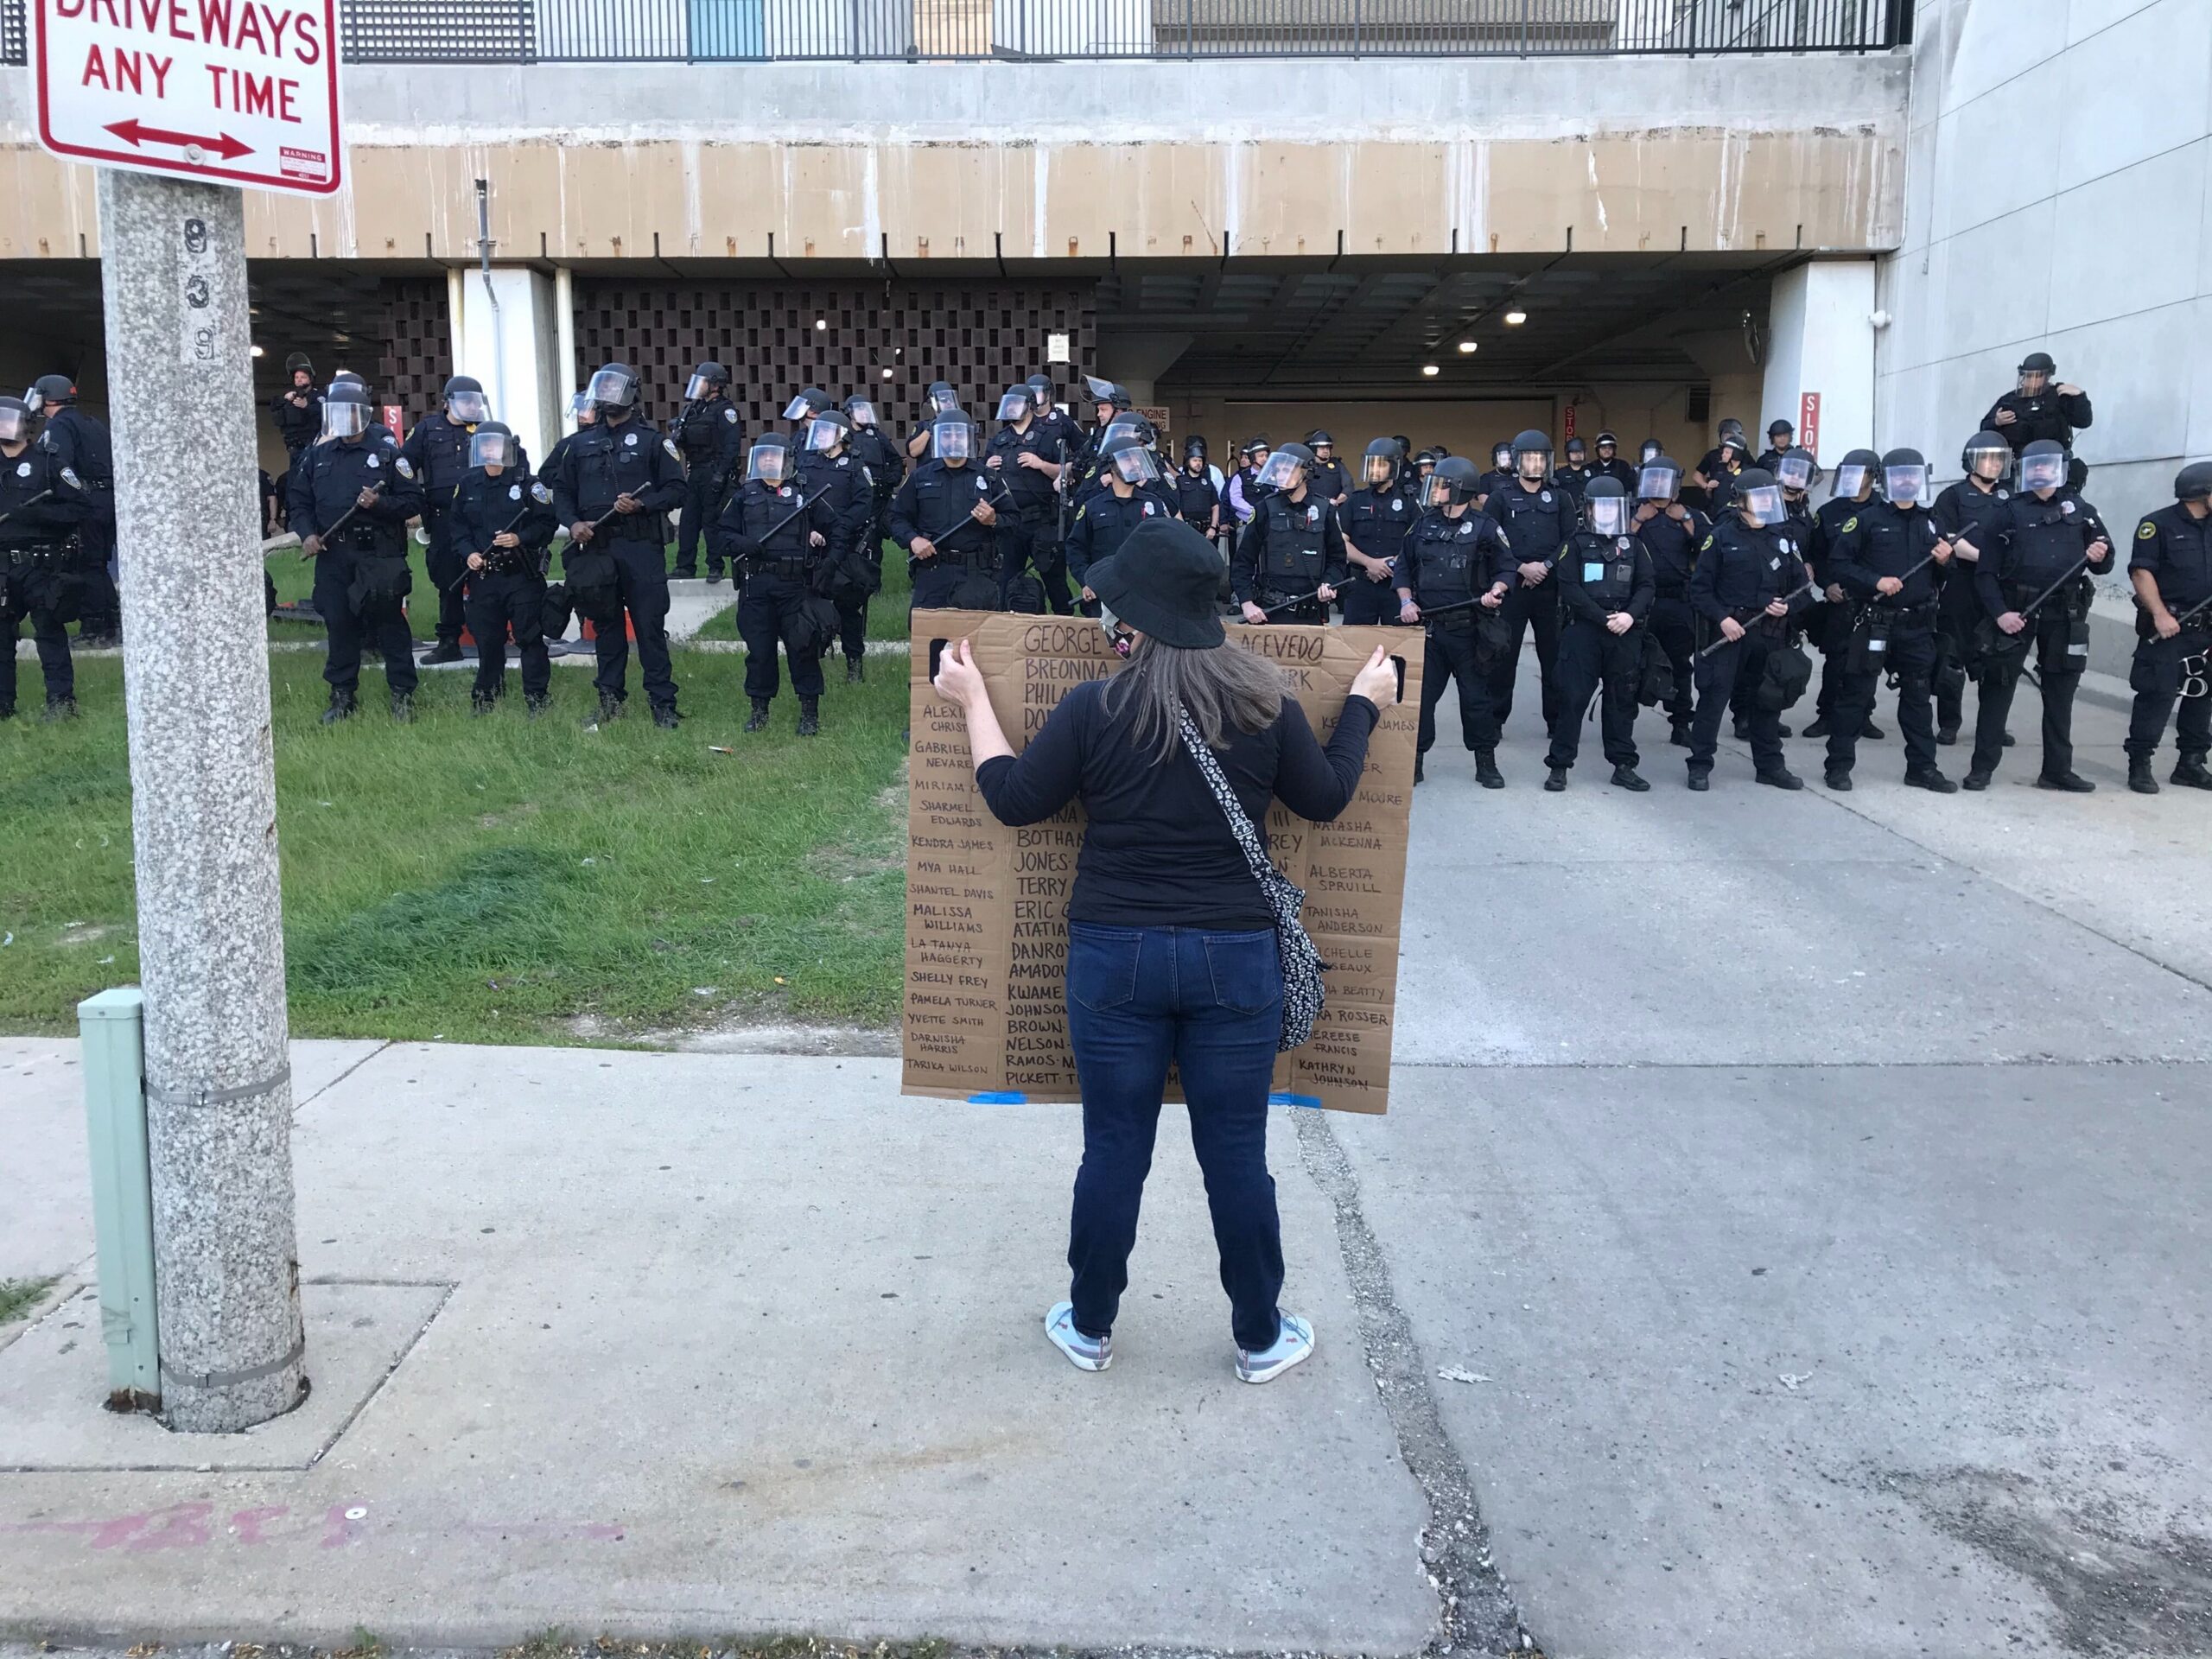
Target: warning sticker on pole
(234,92)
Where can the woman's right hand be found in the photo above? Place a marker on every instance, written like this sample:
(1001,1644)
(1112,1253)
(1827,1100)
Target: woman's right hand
(958,677)
(1377,681)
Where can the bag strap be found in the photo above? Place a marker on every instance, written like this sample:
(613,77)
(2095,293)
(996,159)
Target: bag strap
(1240,822)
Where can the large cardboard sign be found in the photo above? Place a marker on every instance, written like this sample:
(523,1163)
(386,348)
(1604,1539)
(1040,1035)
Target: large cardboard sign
(986,1014)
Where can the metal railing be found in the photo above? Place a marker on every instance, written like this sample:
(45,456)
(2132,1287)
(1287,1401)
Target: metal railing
(702,31)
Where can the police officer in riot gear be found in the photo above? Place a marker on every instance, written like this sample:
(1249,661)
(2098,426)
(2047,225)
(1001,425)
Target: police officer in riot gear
(1609,463)
(617,479)
(779,536)
(1198,497)
(1749,583)
(40,511)
(942,400)
(2170,567)
(296,411)
(1330,480)
(887,470)
(503,522)
(1967,514)
(1025,456)
(1827,628)
(438,450)
(351,498)
(1793,471)
(1781,438)
(1537,519)
(1649,451)
(1413,482)
(1670,532)
(1454,566)
(947,517)
(1374,520)
(1245,490)
(1104,522)
(1887,557)
(1290,560)
(1574,474)
(710,436)
(1606,585)
(80,445)
(852,568)
(2039,408)
(2036,599)
(1501,469)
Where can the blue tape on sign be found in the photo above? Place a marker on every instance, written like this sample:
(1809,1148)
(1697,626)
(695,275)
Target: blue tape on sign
(1001,1098)
(1279,1099)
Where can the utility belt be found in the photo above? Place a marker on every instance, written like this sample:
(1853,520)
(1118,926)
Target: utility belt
(791,567)
(41,553)
(509,562)
(1271,596)
(1678,591)
(2070,599)
(2195,627)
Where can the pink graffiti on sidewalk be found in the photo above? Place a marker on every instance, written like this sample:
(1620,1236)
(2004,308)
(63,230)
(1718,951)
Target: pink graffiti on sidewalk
(200,1526)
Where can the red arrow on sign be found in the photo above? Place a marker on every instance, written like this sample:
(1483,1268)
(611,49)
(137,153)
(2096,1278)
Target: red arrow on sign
(135,132)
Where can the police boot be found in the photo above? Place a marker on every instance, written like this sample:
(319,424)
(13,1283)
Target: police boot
(8,712)
(2138,775)
(1946,735)
(403,707)
(342,708)
(63,708)
(446,651)
(1679,735)
(2191,772)
(1486,771)
(1819,728)
(1700,779)
(2068,782)
(854,672)
(535,706)
(759,723)
(1870,733)
(665,717)
(1837,780)
(481,703)
(1556,781)
(610,707)
(809,716)
(1781,777)
(1741,727)
(1976,781)
(714,575)
(1928,778)
(1627,778)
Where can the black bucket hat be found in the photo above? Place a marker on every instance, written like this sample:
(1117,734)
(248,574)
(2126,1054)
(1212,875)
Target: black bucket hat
(1165,581)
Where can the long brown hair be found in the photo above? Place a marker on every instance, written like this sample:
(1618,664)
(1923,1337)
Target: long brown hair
(1225,688)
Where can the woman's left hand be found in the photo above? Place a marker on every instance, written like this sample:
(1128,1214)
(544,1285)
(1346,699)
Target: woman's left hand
(1377,681)
(958,677)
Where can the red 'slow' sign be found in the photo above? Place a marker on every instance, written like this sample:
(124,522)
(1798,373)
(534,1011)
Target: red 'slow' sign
(239,92)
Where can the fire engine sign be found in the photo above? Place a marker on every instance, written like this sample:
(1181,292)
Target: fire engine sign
(239,91)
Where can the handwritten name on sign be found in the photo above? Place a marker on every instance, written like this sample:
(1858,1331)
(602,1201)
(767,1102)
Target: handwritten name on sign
(985,1010)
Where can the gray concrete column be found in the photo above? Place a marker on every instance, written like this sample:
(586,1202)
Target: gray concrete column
(203,800)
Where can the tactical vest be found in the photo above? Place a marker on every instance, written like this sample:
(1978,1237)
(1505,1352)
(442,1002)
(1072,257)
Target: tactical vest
(775,517)
(1451,559)
(2048,538)
(1195,497)
(1608,568)
(445,453)
(1296,530)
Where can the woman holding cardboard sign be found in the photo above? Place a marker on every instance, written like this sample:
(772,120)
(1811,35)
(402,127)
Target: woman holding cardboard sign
(1173,940)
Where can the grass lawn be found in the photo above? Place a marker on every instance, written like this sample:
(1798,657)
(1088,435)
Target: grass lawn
(494,879)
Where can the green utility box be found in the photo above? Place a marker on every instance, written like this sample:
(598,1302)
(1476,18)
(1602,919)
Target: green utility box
(112,1028)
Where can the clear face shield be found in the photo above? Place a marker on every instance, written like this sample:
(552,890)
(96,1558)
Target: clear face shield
(824,435)
(581,411)
(1850,478)
(1609,514)
(342,418)
(2042,472)
(1282,471)
(2033,383)
(491,448)
(860,412)
(945,401)
(15,425)
(797,409)
(1793,473)
(1500,459)
(1532,465)
(1101,392)
(1763,503)
(1988,465)
(1134,464)
(1015,406)
(1658,483)
(1649,452)
(697,387)
(1905,485)
(950,441)
(611,386)
(1379,470)
(34,400)
(468,408)
(767,463)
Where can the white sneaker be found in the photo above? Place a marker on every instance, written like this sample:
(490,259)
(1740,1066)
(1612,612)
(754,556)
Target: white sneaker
(1084,1353)
(1293,1344)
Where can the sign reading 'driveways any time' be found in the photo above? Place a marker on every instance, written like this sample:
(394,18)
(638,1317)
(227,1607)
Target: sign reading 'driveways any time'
(234,92)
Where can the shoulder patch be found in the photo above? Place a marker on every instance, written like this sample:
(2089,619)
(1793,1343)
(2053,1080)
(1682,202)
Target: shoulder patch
(1850,523)
(1707,542)
(730,415)
(540,494)
(1079,511)
(669,444)
(2148,532)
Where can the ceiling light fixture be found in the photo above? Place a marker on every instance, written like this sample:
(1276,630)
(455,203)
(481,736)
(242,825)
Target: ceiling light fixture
(1516,317)
(1466,347)
(1429,368)
(257,351)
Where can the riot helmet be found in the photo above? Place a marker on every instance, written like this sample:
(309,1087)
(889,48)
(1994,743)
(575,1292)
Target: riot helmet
(1532,445)
(860,411)
(344,410)
(952,438)
(1122,455)
(613,390)
(1501,455)
(1041,397)
(2037,371)
(1106,394)
(1014,404)
(347,378)
(1904,478)
(1779,428)
(2043,465)
(942,398)
(297,364)
(1607,440)
(1379,465)
(1659,479)
(49,393)
(15,420)
(2194,481)
(769,461)
(827,432)
(1254,452)
(1758,494)
(1605,506)
(1317,441)
(1194,455)
(580,408)
(1732,428)
(1794,470)
(1578,452)
(1649,451)
(1425,462)
(1855,475)
(707,379)
(492,444)
(1454,483)
(1288,468)
(807,404)
(464,400)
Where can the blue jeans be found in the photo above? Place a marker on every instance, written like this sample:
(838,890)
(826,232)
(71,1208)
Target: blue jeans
(1138,997)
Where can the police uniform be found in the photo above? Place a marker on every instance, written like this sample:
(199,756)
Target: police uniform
(1573,479)
(438,450)
(2176,550)
(849,574)
(1673,545)
(938,502)
(604,461)
(1964,509)
(1895,634)
(2038,542)
(508,595)
(1330,480)
(766,532)
(1616,469)
(361,576)
(2046,415)
(297,425)
(1102,524)
(1452,562)
(1597,576)
(1741,568)
(1375,522)
(77,442)
(1537,523)
(887,470)
(709,435)
(37,542)
(1036,509)
(1290,548)
(1196,499)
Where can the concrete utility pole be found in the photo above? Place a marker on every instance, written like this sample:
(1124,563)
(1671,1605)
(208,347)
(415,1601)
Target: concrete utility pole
(203,814)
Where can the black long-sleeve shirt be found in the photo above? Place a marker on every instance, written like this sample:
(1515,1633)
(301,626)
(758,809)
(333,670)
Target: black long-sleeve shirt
(1157,852)
(2049,414)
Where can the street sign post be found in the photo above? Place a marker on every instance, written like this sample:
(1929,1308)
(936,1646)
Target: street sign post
(178,104)
(236,93)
